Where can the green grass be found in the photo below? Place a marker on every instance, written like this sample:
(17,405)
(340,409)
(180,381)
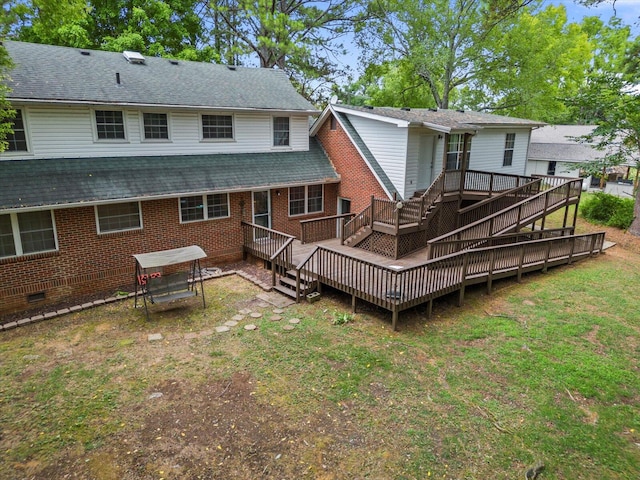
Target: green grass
(546,370)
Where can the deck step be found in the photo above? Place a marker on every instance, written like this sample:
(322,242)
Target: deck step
(285,291)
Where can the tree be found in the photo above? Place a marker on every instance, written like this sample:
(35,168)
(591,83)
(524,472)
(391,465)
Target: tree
(445,44)
(300,37)
(6,112)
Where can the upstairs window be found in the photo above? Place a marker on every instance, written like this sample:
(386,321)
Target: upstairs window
(281,132)
(110,125)
(217,127)
(17,141)
(204,207)
(305,200)
(118,217)
(25,233)
(156,126)
(455,155)
(551,168)
(509,144)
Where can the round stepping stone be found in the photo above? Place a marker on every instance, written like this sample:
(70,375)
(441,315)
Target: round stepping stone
(263,304)
(244,311)
(255,315)
(288,327)
(278,311)
(230,323)
(222,329)
(276,318)
(251,326)
(237,318)
(294,321)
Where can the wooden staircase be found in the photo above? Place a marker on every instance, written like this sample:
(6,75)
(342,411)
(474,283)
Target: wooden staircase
(286,284)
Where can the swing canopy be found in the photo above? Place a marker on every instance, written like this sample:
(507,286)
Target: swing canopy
(169,257)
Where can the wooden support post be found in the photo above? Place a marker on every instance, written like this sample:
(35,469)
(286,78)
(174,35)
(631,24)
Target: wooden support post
(373,201)
(394,319)
(546,257)
(465,264)
(297,286)
(353,302)
(571,249)
(520,264)
(429,308)
(492,261)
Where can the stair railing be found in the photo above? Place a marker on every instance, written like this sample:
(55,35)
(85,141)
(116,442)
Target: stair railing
(361,220)
(281,258)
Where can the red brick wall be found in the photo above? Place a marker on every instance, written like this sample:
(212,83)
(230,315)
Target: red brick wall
(87,262)
(357,183)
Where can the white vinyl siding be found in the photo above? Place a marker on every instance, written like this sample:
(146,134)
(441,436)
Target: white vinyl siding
(69,132)
(563,169)
(388,144)
(487,151)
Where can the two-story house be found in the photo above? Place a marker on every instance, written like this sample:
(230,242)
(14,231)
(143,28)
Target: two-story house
(115,154)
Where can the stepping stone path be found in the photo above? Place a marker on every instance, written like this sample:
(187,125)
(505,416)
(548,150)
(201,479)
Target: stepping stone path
(237,318)
(250,326)
(244,311)
(278,311)
(222,329)
(155,337)
(288,328)
(294,321)
(231,323)
(255,315)
(263,304)
(276,318)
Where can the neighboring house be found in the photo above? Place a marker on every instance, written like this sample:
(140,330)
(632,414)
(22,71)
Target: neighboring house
(399,151)
(557,150)
(115,154)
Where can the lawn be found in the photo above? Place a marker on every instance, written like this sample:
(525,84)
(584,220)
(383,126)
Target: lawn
(545,372)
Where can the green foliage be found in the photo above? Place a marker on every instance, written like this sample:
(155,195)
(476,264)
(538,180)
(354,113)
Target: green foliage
(6,112)
(342,318)
(607,209)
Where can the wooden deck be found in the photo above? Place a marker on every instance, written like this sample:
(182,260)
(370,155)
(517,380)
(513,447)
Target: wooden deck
(397,285)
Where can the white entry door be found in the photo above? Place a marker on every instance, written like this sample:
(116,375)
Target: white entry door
(425,162)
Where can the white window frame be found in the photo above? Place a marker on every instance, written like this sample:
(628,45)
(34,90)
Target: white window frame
(25,125)
(273,132)
(143,137)
(306,200)
(205,208)
(17,241)
(510,138)
(462,158)
(100,231)
(217,140)
(94,120)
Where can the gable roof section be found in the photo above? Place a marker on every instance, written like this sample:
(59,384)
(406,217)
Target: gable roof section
(28,184)
(378,171)
(442,120)
(555,143)
(47,73)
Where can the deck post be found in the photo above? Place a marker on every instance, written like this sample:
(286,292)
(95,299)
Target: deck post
(429,308)
(520,264)
(573,246)
(465,264)
(575,215)
(353,302)
(492,258)
(394,319)
(297,286)
(546,257)
(373,200)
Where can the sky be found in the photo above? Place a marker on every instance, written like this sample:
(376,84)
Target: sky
(627,10)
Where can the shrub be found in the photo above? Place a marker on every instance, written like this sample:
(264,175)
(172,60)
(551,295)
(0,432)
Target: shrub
(609,210)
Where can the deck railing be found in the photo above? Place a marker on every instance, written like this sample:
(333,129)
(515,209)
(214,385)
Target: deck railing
(498,202)
(263,242)
(397,289)
(443,248)
(520,214)
(318,229)
(360,220)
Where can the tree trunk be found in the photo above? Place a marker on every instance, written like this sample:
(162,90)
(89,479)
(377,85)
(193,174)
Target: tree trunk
(634,229)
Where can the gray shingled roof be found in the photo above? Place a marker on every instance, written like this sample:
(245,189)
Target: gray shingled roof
(452,119)
(564,152)
(362,146)
(52,73)
(59,182)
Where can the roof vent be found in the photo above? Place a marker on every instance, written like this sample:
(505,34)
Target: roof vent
(86,53)
(231,67)
(173,62)
(133,57)
(406,109)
